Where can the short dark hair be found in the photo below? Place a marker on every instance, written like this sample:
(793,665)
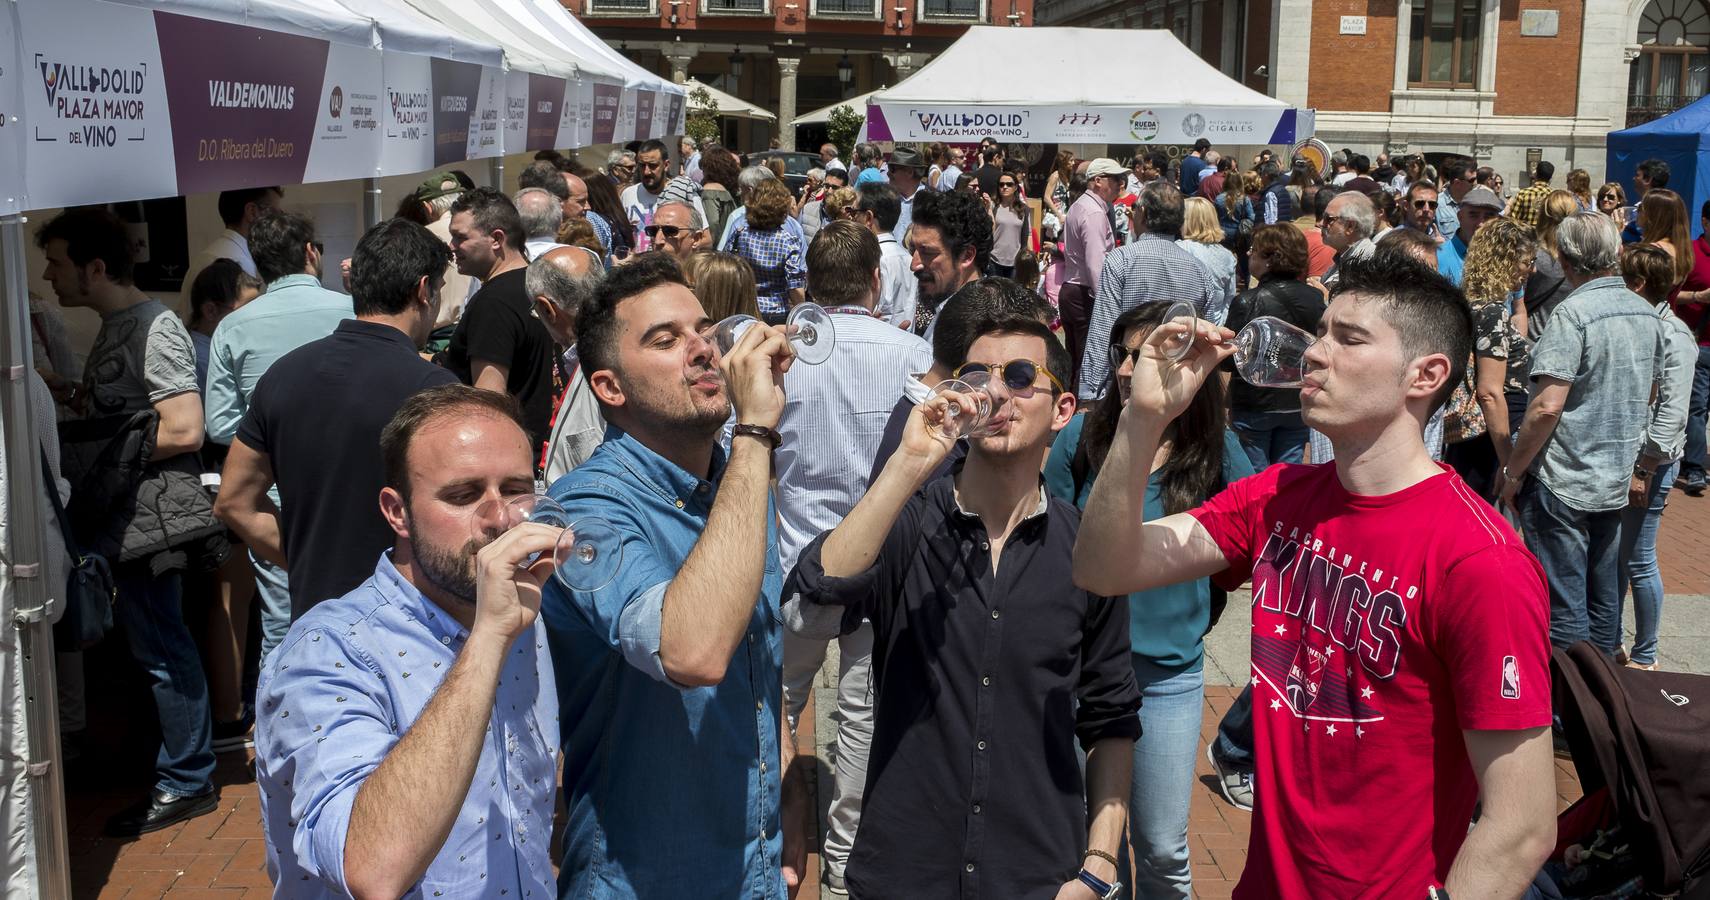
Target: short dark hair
(277,242)
(882,200)
(1426,309)
(1159,160)
(546,176)
(597,323)
(1408,241)
(1161,202)
(961,219)
(1655,171)
(220,283)
(1544,171)
(1056,353)
(92,233)
(232,203)
(840,264)
(652,146)
(1201,145)
(389,261)
(1459,167)
(558,160)
(423,408)
(492,211)
(1361,163)
(961,318)
(1321,201)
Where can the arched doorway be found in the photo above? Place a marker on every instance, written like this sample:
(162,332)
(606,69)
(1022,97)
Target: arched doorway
(1673,65)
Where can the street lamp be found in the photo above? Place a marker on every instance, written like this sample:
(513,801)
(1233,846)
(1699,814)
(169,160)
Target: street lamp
(736,64)
(845,71)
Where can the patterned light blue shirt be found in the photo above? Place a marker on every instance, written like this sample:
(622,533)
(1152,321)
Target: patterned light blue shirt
(351,677)
(671,791)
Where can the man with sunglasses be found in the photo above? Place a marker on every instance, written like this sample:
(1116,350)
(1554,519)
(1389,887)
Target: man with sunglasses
(1459,176)
(641,198)
(1419,208)
(988,667)
(678,229)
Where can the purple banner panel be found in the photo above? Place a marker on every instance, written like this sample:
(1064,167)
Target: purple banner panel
(606,100)
(243,102)
(644,114)
(455,86)
(674,122)
(545,96)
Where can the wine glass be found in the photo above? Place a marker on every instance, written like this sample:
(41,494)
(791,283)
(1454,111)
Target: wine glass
(972,418)
(587,554)
(1215,310)
(1272,353)
(808,326)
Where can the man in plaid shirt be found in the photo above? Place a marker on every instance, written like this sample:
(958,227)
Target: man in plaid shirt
(1529,202)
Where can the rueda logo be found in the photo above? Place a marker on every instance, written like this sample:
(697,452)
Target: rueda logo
(335,103)
(1143,125)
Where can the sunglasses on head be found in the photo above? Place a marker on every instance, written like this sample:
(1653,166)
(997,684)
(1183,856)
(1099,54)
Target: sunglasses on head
(1017,374)
(1424,204)
(670,231)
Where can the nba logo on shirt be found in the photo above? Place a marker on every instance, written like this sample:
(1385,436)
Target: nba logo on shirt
(1510,679)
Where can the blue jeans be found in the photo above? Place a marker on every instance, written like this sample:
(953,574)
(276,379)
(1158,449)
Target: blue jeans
(1234,743)
(149,609)
(1170,711)
(1580,557)
(1270,437)
(273,589)
(1638,556)
(1697,417)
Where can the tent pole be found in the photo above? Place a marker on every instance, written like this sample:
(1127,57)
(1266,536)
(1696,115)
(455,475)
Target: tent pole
(496,172)
(25,543)
(372,210)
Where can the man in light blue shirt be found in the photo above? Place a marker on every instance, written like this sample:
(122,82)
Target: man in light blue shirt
(405,742)
(293,311)
(1477,207)
(1572,464)
(668,677)
(1459,176)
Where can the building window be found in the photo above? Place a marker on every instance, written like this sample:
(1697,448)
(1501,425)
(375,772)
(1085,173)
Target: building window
(626,7)
(1673,65)
(1443,44)
(746,7)
(868,8)
(950,9)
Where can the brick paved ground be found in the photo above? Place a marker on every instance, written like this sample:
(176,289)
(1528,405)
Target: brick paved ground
(221,854)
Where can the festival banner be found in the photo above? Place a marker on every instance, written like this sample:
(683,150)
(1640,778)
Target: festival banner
(456,89)
(11,119)
(347,141)
(545,105)
(517,100)
(625,131)
(644,115)
(607,98)
(406,114)
(674,115)
(487,119)
(1102,124)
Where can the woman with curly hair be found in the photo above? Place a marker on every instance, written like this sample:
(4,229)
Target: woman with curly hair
(1499,260)
(774,251)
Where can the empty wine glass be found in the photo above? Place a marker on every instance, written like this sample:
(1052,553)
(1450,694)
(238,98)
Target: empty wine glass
(808,327)
(972,417)
(1272,353)
(587,554)
(1215,310)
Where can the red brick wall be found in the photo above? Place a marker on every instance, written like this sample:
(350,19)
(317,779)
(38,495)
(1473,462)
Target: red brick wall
(1538,76)
(1352,73)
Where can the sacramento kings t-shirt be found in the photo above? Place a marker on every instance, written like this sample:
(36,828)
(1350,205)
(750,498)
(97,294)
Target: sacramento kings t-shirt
(1382,627)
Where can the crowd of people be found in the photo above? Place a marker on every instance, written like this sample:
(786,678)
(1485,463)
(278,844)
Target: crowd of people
(1498,401)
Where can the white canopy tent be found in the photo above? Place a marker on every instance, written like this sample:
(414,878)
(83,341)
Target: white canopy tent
(820,116)
(1075,85)
(729,106)
(134,99)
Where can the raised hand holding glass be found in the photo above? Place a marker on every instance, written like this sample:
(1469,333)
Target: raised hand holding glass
(808,327)
(587,554)
(1272,353)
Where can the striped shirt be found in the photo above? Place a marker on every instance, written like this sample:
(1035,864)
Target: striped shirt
(1152,268)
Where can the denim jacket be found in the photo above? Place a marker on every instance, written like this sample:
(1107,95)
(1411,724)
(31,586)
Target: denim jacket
(672,791)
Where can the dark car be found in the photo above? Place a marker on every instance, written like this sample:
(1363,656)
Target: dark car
(796,165)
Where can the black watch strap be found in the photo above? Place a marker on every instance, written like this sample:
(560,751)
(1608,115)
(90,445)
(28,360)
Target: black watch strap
(769,436)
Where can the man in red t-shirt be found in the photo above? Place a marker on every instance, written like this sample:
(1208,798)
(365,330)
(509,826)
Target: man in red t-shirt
(1400,629)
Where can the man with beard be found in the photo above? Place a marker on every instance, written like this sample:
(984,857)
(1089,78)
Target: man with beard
(669,677)
(377,777)
(499,344)
(950,243)
(987,665)
(640,198)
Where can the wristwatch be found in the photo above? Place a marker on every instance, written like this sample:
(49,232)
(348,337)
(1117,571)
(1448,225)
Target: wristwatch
(1104,890)
(1641,473)
(771,438)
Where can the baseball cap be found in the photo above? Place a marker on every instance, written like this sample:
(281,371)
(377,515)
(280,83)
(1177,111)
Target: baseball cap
(434,186)
(1482,196)
(1105,166)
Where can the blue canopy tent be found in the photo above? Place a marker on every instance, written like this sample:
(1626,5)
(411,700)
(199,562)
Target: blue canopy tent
(1681,139)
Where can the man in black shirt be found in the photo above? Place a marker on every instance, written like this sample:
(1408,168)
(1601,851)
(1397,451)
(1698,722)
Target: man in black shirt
(499,345)
(313,425)
(988,663)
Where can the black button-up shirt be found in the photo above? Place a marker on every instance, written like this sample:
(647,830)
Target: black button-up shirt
(982,682)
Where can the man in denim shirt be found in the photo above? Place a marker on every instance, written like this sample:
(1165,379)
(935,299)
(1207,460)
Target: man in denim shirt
(1592,371)
(405,734)
(669,677)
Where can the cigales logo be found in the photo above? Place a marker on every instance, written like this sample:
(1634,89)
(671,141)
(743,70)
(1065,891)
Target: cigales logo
(1193,125)
(1143,125)
(335,103)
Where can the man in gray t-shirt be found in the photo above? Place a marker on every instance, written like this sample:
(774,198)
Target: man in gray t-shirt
(142,359)
(1592,371)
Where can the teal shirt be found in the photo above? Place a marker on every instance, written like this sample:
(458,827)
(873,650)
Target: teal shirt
(1166,625)
(294,311)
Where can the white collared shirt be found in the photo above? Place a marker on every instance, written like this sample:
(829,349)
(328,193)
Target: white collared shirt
(898,288)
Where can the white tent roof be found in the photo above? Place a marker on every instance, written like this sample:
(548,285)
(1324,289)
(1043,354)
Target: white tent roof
(324,19)
(1072,67)
(401,27)
(570,32)
(823,114)
(728,105)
